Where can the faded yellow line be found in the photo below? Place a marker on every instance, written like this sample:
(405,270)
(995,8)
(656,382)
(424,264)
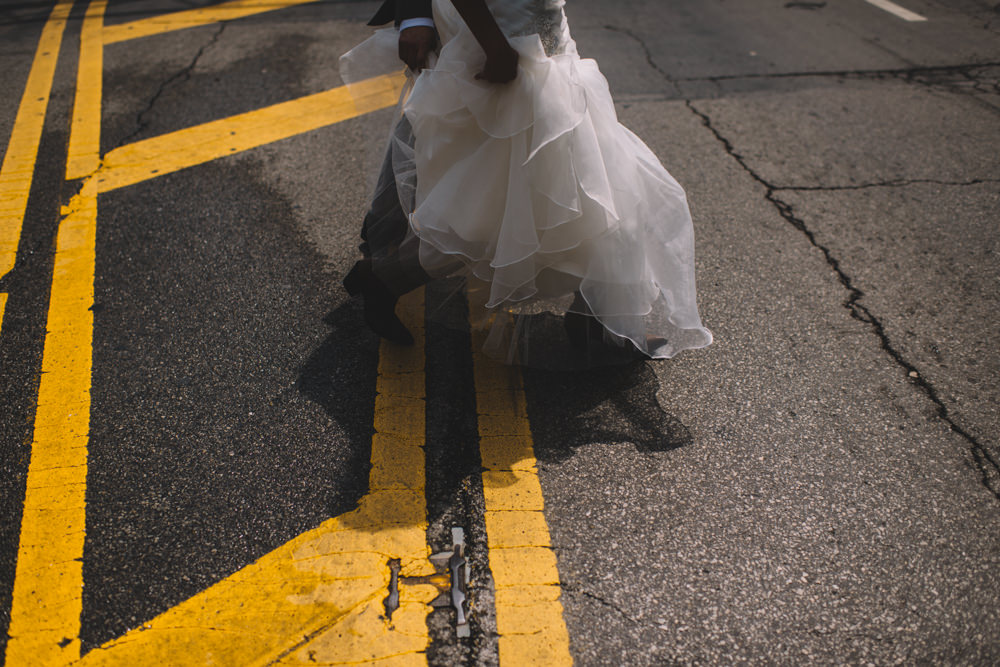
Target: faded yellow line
(190,18)
(84,155)
(3,306)
(529,612)
(319,598)
(48,581)
(22,149)
(195,145)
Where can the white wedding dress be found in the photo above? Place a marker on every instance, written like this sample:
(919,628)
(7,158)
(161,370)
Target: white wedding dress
(537,188)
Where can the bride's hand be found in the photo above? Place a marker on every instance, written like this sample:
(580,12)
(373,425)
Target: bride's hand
(501,66)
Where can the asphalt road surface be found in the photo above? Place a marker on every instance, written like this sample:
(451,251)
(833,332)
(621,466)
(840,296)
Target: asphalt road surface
(206,458)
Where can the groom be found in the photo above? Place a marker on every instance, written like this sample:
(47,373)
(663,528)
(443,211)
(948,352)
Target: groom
(391,265)
(386,224)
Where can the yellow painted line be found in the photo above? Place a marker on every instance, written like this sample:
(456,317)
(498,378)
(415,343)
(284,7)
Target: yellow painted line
(529,612)
(84,153)
(46,602)
(22,149)
(190,18)
(48,581)
(195,145)
(319,598)
(3,305)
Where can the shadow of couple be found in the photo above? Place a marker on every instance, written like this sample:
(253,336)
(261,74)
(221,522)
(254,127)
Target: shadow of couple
(613,404)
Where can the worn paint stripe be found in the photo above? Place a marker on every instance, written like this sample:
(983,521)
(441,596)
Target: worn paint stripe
(3,307)
(47,600)
(195,145)
(190,18)
(48,581)
(529,612)
(84,155)
(18,167)
(318,599)
(896,10)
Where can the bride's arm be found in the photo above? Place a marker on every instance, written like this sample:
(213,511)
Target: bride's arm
(501,58)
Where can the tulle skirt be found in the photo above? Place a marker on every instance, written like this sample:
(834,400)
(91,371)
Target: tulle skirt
(536,192)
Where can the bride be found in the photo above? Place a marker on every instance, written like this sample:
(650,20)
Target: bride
(507,162)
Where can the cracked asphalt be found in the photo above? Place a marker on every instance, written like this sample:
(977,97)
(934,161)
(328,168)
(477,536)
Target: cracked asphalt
(820,486)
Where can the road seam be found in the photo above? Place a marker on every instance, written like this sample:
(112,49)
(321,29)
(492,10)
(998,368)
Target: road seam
(907,73)
(529,612)
(897,183)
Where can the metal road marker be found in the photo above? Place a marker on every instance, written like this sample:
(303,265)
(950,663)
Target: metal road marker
(18,167)
(455,594)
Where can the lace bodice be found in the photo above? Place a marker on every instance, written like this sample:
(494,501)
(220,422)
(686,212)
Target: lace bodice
(517,18)
(544,18)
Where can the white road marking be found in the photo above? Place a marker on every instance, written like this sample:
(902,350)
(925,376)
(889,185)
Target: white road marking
(893,8)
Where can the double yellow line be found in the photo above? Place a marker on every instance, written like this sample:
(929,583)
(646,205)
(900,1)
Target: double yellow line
(320,594)
(18,166)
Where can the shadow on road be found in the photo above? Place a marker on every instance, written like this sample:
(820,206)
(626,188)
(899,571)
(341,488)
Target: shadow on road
(339,376)
(615,404)
(567,409)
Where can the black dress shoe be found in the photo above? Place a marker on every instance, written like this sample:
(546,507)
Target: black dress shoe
(380,303)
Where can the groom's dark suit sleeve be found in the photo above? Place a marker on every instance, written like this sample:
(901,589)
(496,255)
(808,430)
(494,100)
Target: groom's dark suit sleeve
(400,10)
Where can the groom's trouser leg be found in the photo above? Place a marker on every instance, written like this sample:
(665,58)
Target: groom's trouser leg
(385,232)
(385,229)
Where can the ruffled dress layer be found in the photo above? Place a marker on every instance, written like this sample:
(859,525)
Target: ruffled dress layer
(537,188)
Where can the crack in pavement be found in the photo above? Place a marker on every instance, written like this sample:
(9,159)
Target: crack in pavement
(183,75)
(572,587)
(649,55)
(986,463)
